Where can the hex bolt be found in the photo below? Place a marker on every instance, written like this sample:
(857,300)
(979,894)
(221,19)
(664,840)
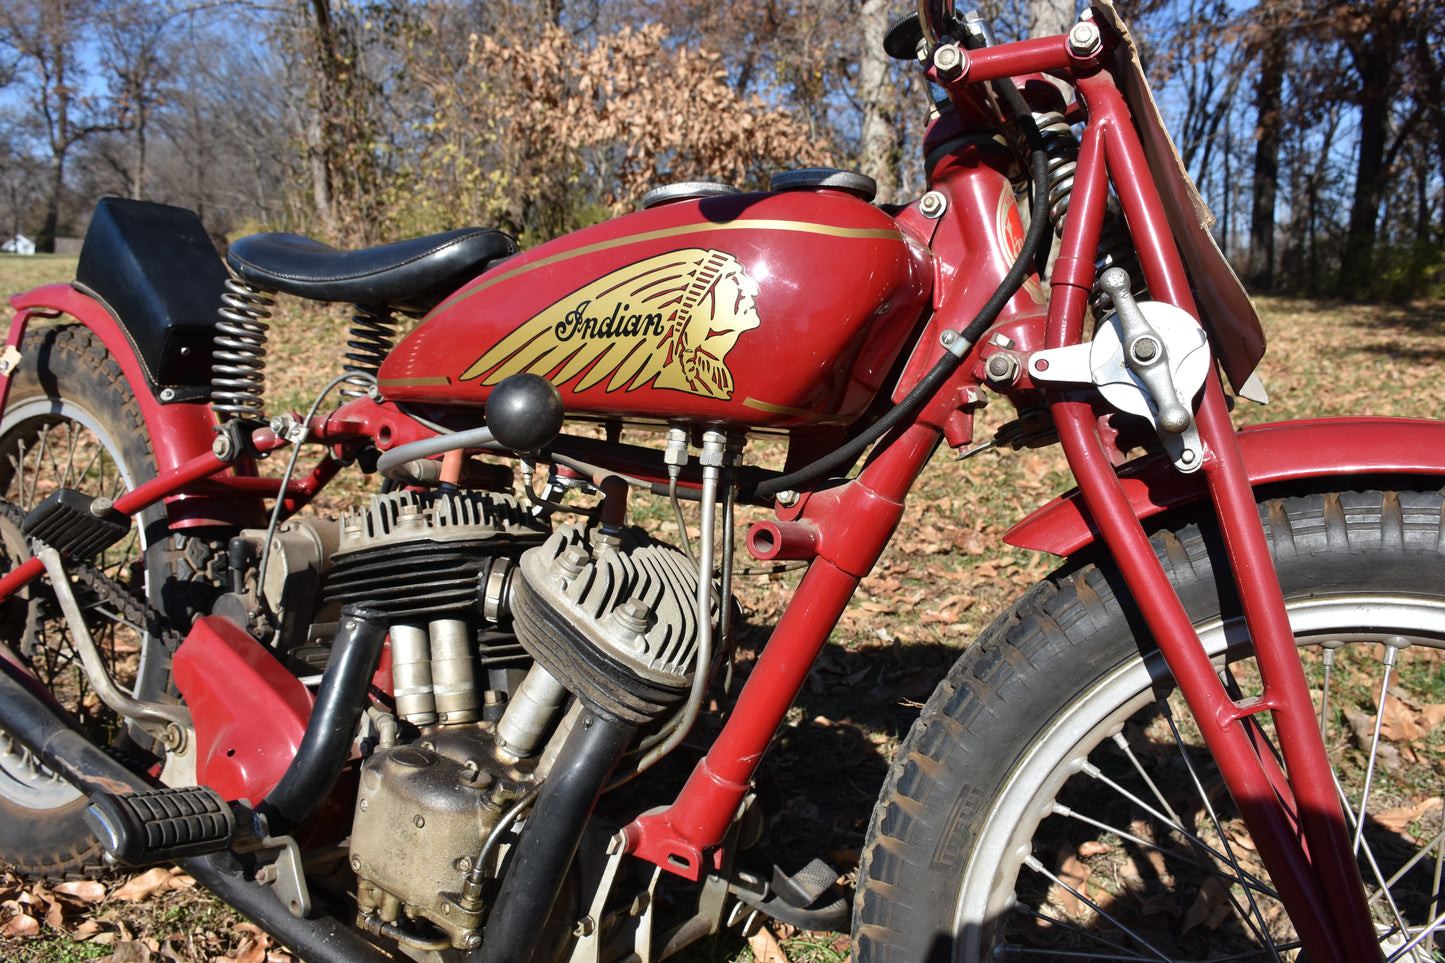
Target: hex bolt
(1001,368)
(948,61)
(634,614)
(586,926)
(574,560)
(932,204)
(1084,39)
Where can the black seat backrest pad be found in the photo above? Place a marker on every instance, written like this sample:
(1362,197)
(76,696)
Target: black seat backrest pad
(156,270)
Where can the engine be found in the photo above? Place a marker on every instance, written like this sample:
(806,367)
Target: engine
(497,625)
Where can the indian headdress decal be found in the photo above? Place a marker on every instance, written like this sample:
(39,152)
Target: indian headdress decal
(668,321)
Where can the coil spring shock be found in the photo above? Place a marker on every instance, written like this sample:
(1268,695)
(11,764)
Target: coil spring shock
(238,380)
(1116,247)
(1063,149)
(373,335)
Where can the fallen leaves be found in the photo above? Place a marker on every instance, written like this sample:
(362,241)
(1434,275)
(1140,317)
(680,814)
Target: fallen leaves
(766,948)
(152,881)
(158,915)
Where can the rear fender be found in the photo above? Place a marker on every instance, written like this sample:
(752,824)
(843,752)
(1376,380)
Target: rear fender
(178,431)
(1279,452)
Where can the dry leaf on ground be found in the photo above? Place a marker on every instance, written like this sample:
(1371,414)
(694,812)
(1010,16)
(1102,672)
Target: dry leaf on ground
(766,948)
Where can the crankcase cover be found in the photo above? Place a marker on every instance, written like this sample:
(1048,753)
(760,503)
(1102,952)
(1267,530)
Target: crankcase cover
(421,814)
(784,309)
(617,626)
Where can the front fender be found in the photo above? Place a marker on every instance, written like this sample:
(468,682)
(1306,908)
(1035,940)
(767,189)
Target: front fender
(1277,452)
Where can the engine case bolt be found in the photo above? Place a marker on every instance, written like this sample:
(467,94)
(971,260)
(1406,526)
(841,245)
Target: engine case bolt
(1084,39)
(419,822)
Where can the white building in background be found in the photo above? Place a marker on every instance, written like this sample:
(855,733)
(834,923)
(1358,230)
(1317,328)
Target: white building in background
(19,244)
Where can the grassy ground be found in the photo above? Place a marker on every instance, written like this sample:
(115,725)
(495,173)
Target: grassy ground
(946,575)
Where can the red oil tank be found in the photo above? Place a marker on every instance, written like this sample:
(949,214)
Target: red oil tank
(779,310)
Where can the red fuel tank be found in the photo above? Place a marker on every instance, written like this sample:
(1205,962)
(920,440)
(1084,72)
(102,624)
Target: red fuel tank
(777,310)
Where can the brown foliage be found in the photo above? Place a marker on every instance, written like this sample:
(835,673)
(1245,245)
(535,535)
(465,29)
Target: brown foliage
(528,130)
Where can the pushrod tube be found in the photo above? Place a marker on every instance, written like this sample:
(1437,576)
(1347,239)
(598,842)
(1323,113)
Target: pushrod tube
(1321,883)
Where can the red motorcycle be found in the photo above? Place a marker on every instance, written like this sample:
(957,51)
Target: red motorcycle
(433,727)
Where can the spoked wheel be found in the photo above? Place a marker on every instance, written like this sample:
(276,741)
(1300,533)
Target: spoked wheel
(71,422)
(1055,801)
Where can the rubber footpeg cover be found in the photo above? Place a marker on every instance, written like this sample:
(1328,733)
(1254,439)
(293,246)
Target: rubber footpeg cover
(67,522)
(161,825)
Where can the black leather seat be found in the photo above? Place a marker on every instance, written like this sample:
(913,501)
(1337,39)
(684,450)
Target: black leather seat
(415,273)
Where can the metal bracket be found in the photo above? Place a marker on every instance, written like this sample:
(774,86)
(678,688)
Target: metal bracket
(595,930)
(1156,378)
(9,360)
(285,873)
(151,715)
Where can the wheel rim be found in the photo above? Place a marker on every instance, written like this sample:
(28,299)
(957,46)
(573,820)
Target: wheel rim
(45,444)
(1199,893)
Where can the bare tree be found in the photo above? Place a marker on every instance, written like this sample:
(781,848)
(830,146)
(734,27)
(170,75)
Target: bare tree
(133,44)
(44,36)
(1269,40)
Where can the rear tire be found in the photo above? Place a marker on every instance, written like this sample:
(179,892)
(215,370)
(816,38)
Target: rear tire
(1046,760)
(71,421)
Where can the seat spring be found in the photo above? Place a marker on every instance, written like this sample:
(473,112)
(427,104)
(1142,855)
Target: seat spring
(373,335)
(238,380)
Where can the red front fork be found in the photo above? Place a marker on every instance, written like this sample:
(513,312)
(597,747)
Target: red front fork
(1296,823)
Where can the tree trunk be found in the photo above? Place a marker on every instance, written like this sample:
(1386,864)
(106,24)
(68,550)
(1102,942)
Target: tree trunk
(1268,127)
(1048,18)
(1376,56)
(879,154)
(320,142)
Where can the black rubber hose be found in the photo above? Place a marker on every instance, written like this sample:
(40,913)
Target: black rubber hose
(540,861)
(26,717)
(327,743)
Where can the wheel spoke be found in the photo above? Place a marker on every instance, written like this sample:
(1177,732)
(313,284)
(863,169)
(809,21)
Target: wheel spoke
(1261,929)
(1417,938)
(1123,955)
(1032,863)
(1391,653)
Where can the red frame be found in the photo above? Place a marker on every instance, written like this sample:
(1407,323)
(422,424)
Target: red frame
(1293,813)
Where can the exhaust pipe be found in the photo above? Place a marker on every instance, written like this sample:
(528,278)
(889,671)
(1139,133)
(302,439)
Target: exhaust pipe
(25,715)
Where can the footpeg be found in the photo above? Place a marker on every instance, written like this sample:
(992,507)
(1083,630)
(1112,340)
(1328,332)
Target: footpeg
(161,825)
(75,524)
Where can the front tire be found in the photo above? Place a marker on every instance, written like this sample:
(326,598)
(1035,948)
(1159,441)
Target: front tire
(1054,801)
